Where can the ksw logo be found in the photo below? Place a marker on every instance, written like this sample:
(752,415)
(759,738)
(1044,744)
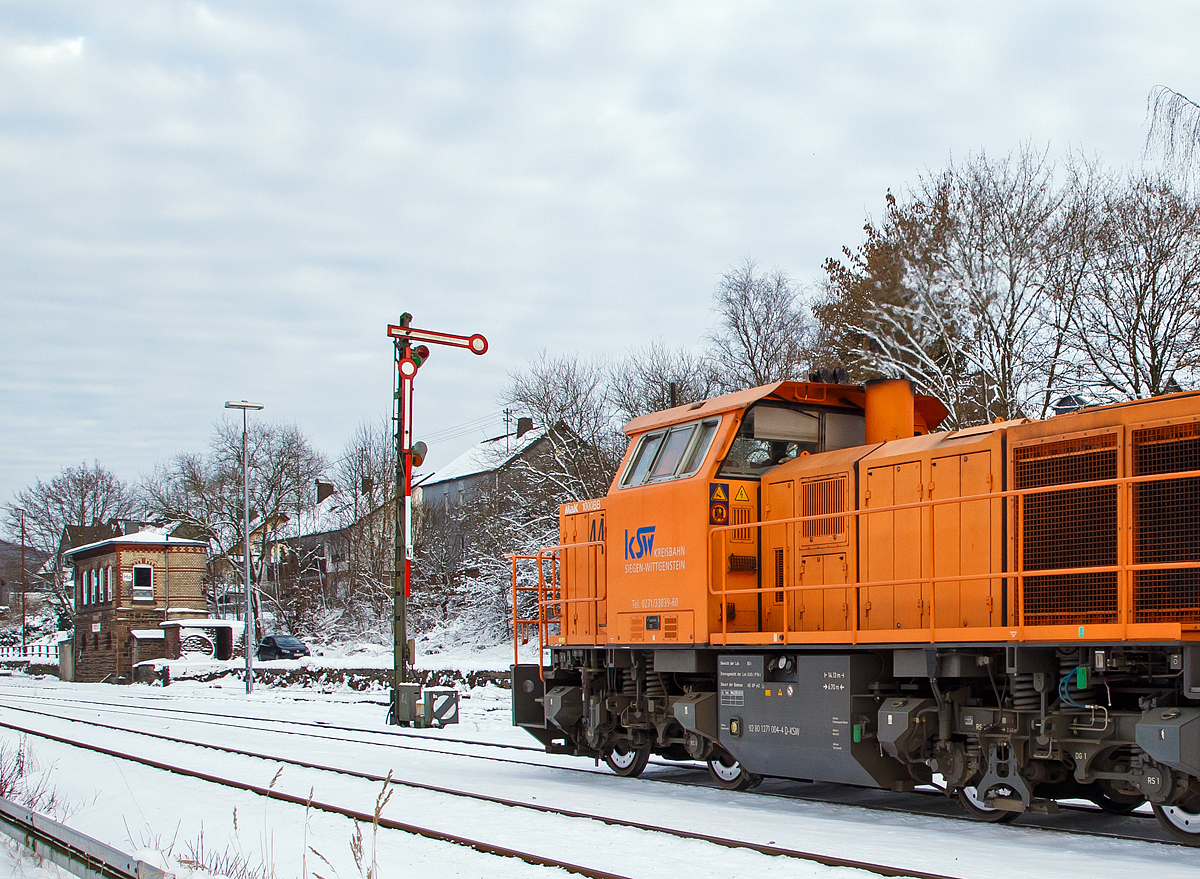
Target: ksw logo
(641,544)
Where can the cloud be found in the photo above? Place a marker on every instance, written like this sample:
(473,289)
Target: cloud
(207,201)
(53,52)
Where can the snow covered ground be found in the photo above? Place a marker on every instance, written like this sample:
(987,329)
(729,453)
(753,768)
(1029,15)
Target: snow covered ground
(438,654)
(164,817)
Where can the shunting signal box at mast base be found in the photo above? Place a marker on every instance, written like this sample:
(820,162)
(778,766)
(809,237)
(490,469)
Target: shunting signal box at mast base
(809,580)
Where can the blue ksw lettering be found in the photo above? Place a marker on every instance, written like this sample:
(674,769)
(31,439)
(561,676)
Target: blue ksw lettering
(640,544)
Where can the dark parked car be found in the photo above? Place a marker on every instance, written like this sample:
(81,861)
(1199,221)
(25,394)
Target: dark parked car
(281,647)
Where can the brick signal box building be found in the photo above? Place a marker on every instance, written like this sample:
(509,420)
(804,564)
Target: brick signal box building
(136,581)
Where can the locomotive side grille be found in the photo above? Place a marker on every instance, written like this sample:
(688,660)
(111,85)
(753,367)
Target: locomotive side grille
(1072,528)
(820,497)
(742,516)
(743,564)
(670,628)
(779,574)
(1071,599)
(1166,596)
(1166,524)
(637,628)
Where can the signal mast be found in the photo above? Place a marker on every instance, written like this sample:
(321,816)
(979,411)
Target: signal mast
(409,360)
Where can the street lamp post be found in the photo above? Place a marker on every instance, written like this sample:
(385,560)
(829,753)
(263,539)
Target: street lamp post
(248,635)
(20,512)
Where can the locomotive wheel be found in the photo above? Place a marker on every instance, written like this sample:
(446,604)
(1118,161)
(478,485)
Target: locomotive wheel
(627,760)
(1114,802)
(1181,824)
(968,798)
(730,774)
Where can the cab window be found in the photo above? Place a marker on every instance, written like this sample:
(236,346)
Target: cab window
(671,453)
(770,435)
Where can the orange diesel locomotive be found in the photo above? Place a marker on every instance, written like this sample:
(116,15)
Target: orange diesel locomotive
(808,581)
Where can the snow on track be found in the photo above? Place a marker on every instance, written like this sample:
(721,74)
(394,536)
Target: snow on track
(912,842)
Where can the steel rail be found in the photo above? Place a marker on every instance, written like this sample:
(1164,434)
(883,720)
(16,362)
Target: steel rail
(395,732)
(76,852)
(287,732)
(343,811)
(489,848)
(538,765)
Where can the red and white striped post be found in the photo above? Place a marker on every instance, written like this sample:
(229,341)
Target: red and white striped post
(409,360)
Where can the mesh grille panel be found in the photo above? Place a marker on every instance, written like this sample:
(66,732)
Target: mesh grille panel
(1066,461)
(743,564)
(1072,528)
(1166,596)
(637,628)
(1168,512)
(779,574)
(820,497)
(1071,599)
(741,516)
(670,628)
(1167,516)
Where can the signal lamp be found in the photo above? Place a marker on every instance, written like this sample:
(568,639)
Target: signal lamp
(419,451)
(420,354)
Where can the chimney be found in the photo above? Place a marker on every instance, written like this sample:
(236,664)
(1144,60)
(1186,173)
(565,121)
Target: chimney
(890,409)
(524,425)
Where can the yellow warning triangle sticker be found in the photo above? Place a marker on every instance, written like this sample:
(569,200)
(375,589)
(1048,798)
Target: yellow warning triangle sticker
(718,494)
(741,495)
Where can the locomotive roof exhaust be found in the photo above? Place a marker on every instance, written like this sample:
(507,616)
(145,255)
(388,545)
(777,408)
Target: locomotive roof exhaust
(890,406)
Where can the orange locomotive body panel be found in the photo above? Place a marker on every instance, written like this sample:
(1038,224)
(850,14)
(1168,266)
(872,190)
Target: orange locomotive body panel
(924,539)
(914,558)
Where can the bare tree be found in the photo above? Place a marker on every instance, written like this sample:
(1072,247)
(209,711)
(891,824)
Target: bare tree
(365,477)
(574,397)
(763,332)
(1140,323)
(205,491)
(969,287)
(641,382)
(80,495)
(1174,128)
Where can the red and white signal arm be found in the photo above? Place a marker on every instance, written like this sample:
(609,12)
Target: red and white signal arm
(474,343)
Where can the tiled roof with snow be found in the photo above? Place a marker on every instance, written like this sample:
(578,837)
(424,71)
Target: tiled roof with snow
(154,536)
(486,457)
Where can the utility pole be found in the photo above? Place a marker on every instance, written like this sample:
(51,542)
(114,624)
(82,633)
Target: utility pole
(24,587)
(248,633)
(409,359)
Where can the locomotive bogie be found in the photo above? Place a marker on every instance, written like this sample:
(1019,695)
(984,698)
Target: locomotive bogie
(890,719)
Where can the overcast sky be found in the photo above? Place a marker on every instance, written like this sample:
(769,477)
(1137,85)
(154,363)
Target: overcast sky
(208,201)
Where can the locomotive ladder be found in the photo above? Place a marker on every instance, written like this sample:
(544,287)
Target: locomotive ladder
(548,597)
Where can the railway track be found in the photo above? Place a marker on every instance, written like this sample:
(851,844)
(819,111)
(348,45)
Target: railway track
(483,846)
(1073,819)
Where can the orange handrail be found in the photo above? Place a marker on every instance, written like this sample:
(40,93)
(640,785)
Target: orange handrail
(1018,574)
(549,595)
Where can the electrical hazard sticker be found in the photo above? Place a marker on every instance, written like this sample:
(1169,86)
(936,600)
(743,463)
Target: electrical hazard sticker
(718,503)
(741,494)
